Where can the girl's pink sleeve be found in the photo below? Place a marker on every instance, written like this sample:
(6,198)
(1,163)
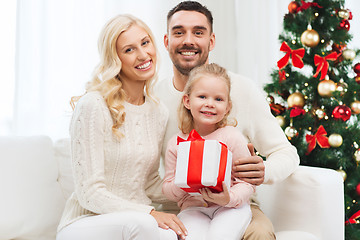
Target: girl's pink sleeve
(240,191)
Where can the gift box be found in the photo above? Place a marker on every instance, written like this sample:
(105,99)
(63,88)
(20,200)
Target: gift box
(202,163)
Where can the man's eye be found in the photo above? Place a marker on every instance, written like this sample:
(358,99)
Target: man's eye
(177,33)
(198,33)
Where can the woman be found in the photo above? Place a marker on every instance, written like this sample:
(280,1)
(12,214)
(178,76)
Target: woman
(116,134)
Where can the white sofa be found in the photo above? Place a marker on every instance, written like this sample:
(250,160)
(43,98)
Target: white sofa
(35,180)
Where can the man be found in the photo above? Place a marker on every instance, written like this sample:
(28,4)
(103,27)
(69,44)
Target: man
(189,39)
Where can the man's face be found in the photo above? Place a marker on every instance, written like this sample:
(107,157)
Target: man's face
(189,40)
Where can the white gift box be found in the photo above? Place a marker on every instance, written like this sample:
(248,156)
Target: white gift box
(203,163)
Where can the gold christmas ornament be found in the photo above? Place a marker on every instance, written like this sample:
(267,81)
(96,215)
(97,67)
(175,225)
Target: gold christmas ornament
(355,107)
(281,120)
(357,155)
(341,87)
(318,112)
(349,54)
(291,132)
(296,100)
(326,88)
(343,173)
(344,14)
(335,140)
(310,37)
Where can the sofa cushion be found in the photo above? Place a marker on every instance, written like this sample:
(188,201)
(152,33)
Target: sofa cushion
(63,158)
(32,201)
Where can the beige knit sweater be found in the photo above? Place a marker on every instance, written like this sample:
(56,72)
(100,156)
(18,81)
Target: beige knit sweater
(112,175)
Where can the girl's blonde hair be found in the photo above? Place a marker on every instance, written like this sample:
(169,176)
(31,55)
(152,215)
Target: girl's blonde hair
(106,76)
(186,121)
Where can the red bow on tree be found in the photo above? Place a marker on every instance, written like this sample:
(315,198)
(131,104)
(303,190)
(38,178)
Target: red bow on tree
(306,5)
(353,218)
(322,64)
(282,76)
(319,137)
(296,56)
(296,111)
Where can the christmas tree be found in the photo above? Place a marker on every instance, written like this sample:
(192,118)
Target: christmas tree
(315,94)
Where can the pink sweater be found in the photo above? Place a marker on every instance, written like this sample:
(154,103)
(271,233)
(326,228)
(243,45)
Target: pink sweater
(240,191)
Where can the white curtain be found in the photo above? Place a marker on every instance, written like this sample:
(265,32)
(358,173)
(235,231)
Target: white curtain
(56,49)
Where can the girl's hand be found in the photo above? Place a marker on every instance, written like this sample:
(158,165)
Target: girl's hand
(221,198)
(167,220)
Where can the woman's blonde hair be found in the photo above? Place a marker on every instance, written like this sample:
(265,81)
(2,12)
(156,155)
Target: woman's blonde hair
(186,121)
(106,76)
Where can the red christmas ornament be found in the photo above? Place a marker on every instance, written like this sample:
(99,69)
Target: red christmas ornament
(342,112)
(358,189)
(293,6)
(344,24)
(357,69)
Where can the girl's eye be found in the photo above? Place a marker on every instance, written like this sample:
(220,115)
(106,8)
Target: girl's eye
(202,96)
(219,99)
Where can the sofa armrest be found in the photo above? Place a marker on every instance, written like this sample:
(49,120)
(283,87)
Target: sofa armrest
(309,200)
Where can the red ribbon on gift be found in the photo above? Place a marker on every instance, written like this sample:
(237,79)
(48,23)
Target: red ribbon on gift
(319,137)
(322,64)
(306,5)
(296,56)
(353,218)
(196,159)
(296,111)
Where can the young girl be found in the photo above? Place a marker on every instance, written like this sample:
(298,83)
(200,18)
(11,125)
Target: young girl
(205,107)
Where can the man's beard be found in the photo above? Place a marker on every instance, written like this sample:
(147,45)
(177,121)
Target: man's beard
(185,70)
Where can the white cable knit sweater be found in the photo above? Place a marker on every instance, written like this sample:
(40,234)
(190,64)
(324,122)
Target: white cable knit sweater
(112,175)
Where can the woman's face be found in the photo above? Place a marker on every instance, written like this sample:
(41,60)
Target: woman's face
(137,54)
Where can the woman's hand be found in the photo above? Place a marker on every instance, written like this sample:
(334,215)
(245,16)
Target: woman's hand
(167,220)
(221,198)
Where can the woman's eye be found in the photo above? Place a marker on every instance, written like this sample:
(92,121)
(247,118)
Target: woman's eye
(128,50)
(145,42)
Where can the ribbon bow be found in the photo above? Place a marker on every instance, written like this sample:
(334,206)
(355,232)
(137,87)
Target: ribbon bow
(282,76)
(306,5)
(193,135)
(296,56)
(353,218)
(319,137)
(322,64)
(296,111)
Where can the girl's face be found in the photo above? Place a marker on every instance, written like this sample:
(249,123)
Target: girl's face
(208,103)
(137,54)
